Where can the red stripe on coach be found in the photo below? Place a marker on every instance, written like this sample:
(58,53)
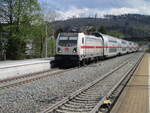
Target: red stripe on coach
(102,47)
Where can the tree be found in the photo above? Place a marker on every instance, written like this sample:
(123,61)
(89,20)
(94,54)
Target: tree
(57,32)
(89,29)
(102,29)
(49,16)
(116,34)
(23,22)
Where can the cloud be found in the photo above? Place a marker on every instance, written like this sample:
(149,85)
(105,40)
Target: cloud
(141,5)
(100,4)
(86,12)
(65,9)
(124,10)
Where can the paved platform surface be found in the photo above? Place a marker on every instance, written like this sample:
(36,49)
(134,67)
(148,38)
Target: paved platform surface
(10,69)
(11,63)
(135,97)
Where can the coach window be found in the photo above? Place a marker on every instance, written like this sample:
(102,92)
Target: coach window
(82,40)
(106,45)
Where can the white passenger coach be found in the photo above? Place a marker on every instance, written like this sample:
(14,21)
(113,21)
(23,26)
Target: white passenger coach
(81,47)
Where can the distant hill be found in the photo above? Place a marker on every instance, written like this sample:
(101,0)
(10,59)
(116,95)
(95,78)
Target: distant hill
(131,25)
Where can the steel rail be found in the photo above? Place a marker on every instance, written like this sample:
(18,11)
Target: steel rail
(74,94)
(18,81)
(71,96)
(129,73)
(27,78)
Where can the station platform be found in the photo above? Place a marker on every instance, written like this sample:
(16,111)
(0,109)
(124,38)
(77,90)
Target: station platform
(11,63)
(9,69)
(136,96)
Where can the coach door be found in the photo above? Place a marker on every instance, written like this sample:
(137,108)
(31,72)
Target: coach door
(83,45)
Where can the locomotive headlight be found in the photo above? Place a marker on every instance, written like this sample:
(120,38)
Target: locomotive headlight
(74,50)
(59,50)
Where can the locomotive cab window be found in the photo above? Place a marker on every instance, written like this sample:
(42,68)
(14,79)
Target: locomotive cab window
(67,41)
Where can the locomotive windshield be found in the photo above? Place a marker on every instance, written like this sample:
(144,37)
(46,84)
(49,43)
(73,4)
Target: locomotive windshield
(67,41)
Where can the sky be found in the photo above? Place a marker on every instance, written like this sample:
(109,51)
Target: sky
(66,9)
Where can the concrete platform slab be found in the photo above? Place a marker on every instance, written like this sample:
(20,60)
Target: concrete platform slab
(9,69)
(135,97)
(11,63)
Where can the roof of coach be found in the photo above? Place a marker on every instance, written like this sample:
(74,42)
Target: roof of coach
(96,34)
(80,33)
(109,38)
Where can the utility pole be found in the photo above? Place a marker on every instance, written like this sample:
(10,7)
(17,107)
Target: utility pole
(46,32)
(46,40)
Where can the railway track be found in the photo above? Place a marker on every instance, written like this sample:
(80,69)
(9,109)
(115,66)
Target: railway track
(18,81)
(90,98)
(21,80)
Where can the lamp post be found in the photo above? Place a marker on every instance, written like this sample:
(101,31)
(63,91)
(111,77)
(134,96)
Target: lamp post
(46,34)
(45,40)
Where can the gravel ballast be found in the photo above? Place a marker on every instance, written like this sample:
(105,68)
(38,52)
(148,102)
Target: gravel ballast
(36,96)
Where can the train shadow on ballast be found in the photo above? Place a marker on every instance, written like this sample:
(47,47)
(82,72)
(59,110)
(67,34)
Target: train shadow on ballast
(72,64)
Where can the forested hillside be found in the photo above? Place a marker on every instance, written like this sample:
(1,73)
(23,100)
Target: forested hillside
(130,25)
